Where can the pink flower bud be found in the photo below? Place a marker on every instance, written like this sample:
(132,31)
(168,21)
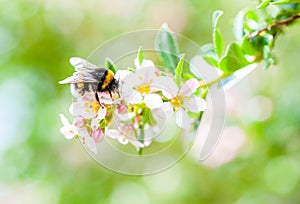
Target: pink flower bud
(128,127)
(97,135)
(122,108)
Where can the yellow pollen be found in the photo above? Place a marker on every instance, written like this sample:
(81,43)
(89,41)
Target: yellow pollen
(144,89)
(80,85)
(96,106)
(176,101)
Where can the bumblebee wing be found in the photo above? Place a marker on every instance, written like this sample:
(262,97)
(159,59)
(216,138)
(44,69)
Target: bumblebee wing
(85,76)
(81,64)
(76,80)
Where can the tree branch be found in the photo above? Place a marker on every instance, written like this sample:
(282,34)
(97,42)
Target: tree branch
(275,24)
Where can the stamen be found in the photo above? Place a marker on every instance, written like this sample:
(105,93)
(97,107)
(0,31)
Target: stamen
(144,89)
(176,101)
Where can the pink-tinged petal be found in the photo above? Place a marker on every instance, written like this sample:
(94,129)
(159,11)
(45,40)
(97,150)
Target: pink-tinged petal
(121,74)
(90,144)
(83,109)
(95,124)
(88,114)
(75,108)
(101,113)
(145,75)
(125,116)
(112,133)
(127,128)
(83,132)
(136,122)
(97,135)
(136,144)
(87,97)
(68,131)
(182,119)
(104,98)
(122,139)
(195,104)
(167,108)
(189,87)
(122,108)
(145,63)
(166,85)
(150,132)
(64,120)
(79,121)
(163,112)
(71,109)
(129,82)
(134,98)
(153,101)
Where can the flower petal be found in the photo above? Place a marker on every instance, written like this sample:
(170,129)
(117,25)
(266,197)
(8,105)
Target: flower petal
(166,85)
(182,119)
(145,75)
(101,113)
(121,74)
(123,140)
(64,120)
(145,63)
(153,101)
(97,135)
(189,87)
(112,133)
(195,104)
(136,144)
(134,97)
(83,109)
(124,116)
(91,144)
(68,131)
(79,121)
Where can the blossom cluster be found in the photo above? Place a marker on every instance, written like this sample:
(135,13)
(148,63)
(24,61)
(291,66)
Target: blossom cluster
(146,97)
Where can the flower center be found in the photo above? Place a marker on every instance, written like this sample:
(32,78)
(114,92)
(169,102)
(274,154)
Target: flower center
(176,101)
(144,89)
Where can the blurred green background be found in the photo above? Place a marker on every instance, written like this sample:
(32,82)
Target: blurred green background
(257,160)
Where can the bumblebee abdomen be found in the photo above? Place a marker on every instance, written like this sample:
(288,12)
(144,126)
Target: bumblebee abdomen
(108,78)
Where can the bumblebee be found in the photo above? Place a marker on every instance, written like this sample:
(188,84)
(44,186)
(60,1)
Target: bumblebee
(90,78)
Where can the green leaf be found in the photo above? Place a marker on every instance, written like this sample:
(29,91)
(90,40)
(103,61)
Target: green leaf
(187,76)
(233,59)
(109,65)
(269,59)
(131,69)
(264,4)
(148,117)
(208,49)
(179,69)
(140,55)
(247,47)
(209,55)
(238,27)
(280,2)
(211,60)
(217,37)
(167,48)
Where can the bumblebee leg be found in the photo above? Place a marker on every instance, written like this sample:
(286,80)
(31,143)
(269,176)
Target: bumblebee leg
(96,97)
(109,91)
(98,100)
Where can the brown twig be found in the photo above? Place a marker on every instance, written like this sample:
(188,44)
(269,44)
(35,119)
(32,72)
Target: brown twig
(278,23)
